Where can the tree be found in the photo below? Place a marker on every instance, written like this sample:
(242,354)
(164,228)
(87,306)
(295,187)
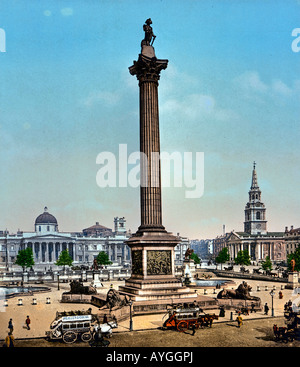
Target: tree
(242,258)
(103,259)
(195,257)
(25,258)
(64,259)
(223,256)
(267,264)
(296,256)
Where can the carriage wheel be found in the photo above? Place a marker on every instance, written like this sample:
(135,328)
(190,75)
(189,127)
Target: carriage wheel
(182,326)
(69,337)
(86,337)
(197,325)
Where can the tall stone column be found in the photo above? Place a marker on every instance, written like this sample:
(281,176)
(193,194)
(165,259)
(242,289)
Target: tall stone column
(147,70)
(152,247)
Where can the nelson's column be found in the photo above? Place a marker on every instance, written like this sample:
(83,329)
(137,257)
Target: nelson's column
(152,247)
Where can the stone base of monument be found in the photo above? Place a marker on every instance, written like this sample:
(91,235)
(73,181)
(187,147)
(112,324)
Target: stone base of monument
(161,306)
(157,289)
(189,266)
(237,304)
(293,280)
(153,270)
(96,281)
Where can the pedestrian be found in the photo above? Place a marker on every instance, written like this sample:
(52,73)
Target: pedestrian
(252,307)
(27,322)
(266,308)
(193,329)
(10,326)
(105,319)
(222,311)
(280,295)
(9,341)
(239,320)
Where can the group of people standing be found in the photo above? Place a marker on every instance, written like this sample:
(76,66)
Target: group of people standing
(10,340)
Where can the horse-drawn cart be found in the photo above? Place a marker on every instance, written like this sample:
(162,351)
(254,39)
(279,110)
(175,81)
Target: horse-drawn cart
(71,328)
(81,326)
(185,318)
(290,332)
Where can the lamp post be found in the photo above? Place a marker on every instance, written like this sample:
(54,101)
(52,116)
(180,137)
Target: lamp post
(58,281)
(272,295)
(130,315)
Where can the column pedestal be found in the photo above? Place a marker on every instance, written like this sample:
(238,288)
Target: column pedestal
(153,271)
(293,280)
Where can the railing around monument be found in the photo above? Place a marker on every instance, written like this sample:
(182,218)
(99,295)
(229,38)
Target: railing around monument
(234,274)
(63,276)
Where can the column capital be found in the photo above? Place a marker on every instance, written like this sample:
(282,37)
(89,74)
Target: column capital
(148,69)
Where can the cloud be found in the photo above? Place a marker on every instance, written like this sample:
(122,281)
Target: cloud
(195,107)
(66,12)
(281,88)
(252,86)
(250,82)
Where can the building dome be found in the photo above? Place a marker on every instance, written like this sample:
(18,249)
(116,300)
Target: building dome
(46,218)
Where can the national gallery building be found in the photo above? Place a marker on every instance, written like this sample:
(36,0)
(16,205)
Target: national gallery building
(47,243)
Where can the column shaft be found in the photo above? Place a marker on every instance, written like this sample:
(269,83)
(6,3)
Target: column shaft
(150,145)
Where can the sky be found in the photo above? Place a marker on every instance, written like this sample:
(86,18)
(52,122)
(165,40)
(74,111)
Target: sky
(231,91)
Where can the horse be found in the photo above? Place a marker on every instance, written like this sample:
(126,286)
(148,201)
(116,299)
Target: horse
(106,328)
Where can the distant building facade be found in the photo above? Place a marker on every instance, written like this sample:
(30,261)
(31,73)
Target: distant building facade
(203,248)
(255,238)
(47,243)
(292,239)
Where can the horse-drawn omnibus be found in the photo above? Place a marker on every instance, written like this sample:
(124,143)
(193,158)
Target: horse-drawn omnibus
(184,318)
(71,328)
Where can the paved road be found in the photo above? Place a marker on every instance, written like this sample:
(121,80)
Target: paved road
(253,333)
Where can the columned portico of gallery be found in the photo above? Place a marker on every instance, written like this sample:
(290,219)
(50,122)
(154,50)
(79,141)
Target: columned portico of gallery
(235,248)
(45,252)
(258,251)
(117,252)
(265,249)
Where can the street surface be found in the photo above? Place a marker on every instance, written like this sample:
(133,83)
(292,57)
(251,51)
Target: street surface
(253,333)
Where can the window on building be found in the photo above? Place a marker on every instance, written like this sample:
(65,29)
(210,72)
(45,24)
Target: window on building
(48,228)
(258,215)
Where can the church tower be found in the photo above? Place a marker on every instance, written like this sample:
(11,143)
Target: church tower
(255,211)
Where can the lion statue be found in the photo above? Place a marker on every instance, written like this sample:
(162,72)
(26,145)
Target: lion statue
(242,292)
(78,288)
(114,299)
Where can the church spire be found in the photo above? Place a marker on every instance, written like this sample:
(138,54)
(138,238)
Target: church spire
(254,184)
(255,211)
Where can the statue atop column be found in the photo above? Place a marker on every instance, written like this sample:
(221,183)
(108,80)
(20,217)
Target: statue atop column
(149,36)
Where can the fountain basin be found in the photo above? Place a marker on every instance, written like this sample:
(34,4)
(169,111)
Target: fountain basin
(9,292)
